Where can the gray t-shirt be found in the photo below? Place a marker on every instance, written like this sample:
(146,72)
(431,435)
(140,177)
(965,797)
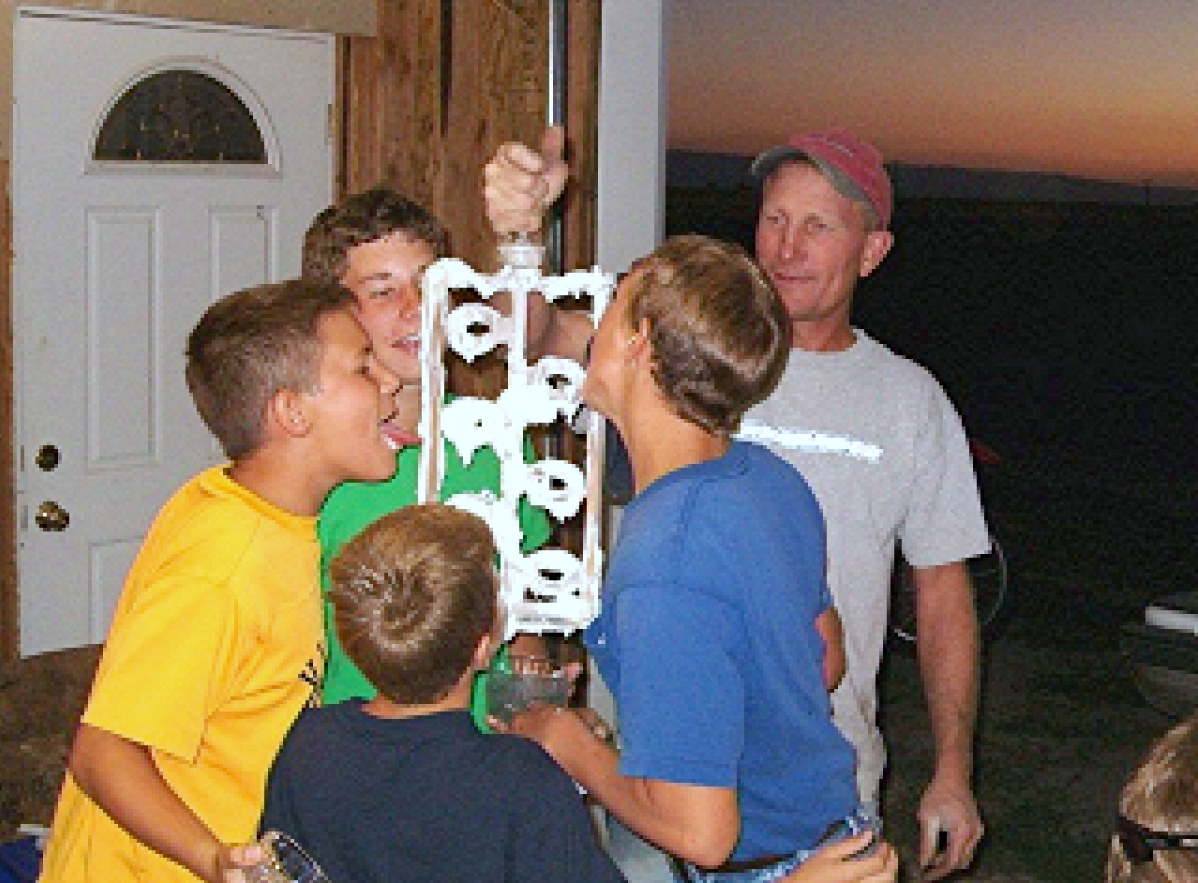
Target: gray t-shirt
(885,453)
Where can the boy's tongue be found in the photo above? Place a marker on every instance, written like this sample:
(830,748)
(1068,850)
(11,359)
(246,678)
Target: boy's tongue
(399,437)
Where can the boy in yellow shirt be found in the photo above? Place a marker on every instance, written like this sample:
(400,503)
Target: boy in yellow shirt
(217,641)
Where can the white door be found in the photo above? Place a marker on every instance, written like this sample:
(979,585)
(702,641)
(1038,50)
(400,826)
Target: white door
(141,193)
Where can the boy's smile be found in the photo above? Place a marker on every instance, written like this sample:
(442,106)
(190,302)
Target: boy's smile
(384,276)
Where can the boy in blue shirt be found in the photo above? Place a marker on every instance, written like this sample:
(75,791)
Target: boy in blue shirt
(716,611)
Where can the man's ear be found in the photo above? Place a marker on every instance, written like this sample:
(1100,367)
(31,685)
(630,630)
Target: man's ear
(287,411)
(877,246)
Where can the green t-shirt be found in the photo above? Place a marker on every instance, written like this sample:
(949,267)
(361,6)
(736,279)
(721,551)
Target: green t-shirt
(355,504)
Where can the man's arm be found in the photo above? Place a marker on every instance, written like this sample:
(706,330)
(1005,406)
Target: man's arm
(835,663)
(123,780)
(948,644)
(698,824)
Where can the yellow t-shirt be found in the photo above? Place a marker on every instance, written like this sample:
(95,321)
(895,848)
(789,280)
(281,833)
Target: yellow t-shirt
(215,647)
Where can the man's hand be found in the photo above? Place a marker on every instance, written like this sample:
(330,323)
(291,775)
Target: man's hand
(950,828)
(519,184)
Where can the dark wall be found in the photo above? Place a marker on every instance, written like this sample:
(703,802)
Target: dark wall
(1065,332)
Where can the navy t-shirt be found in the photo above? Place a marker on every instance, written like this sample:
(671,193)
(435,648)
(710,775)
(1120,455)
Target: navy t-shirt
(429,798)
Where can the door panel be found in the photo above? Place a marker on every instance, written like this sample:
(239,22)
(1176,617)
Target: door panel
(115,262)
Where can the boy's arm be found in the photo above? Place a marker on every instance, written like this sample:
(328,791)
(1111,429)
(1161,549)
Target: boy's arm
(838,863)
(519,186)
(835,662)
(528,644)
(123,780)
(551,330)
(697,823)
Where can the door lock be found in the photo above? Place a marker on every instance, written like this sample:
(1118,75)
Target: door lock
(52,517)
(47,458)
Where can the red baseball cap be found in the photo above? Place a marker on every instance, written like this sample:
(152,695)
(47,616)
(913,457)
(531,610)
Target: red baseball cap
(846,160)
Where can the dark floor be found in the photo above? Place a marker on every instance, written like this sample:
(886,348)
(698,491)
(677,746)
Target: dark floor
(1062,723)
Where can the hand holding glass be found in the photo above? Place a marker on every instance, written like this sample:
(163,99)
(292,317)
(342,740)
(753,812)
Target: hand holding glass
(516,682)
(285,862)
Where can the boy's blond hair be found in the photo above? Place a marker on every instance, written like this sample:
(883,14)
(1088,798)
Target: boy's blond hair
(719,332)
(1160,798)
(250,345)
(414,594)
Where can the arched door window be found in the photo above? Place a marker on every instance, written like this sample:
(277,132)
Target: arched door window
(180,116)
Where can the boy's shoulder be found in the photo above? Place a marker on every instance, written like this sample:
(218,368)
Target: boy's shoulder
(512,760)
(212,503)
(214,528)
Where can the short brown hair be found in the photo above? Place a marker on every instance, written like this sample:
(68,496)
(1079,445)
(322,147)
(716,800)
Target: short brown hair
(719,331)
(361,218)
(414,593)
(1162,795)
(250,345)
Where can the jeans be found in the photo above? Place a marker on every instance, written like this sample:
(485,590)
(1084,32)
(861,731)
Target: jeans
(854,823)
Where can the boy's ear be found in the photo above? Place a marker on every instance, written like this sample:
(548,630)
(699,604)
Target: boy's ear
(287,412)
(638,346)
(484,650)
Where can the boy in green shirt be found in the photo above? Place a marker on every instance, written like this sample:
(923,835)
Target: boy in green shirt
(378,244)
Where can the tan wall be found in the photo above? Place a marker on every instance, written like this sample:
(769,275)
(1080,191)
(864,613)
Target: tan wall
(10,614)
(330,16)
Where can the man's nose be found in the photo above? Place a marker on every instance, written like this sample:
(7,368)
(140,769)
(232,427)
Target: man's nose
(792,243)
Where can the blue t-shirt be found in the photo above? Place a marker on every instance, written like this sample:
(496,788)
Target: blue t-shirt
(707,640)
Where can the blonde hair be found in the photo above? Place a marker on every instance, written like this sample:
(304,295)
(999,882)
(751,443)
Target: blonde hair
(1162,797)
(719,332)
(414,593)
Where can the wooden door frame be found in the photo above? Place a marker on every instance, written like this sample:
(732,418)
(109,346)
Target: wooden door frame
(427,100)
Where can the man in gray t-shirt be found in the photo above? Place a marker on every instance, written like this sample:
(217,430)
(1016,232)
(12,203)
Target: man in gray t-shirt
(883,450)
(873,433)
